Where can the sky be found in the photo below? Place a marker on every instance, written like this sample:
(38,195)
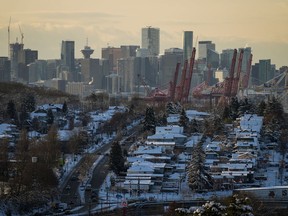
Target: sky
(260,24)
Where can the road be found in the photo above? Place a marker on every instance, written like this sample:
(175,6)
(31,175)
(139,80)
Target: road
(70,193)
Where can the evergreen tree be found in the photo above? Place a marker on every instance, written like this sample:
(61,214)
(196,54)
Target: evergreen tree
(198,177)
(116,158)
(274,120)
(239,207)
(193,126)
(234,108)
(11,110)
(170,108)
(29,103)
(218,125)
(261,108)
(184,120)
(274,110)
(226,114)
(210,208)
(244,107)
(50,117)
(149,120)
(64,108)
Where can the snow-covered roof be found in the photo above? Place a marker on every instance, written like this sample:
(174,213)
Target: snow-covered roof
(149,150)
(64,135)
(145,167)
(4,128)
(164,143)
(175,176)
(50,106)
(173,118)
(194,114)
(172,129)
(165,136)
(251,122)
(213,146)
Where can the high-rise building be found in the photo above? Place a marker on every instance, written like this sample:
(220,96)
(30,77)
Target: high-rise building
(226,58)
(246,56)
(254,77)
(265,70)
(212,59)
(5,68)
(15,49)
(37,71)
(167,65)
(112,54)
(68,57)
(129,51)
(151,40)
(262,72)
(187,45)
(203,47)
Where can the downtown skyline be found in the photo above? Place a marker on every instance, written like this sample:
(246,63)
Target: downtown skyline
(257,24)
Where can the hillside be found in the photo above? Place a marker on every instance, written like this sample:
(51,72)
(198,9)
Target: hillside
(16,91)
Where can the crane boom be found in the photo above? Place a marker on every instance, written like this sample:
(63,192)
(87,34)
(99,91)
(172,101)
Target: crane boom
(9,38)
(237,78)
(22,35)
(174,83)
(229,80)
(187,83)
(181,86)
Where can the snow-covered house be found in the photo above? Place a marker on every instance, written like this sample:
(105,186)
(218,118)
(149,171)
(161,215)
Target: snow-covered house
(213,147)
(173,119)
(151,150)
(192,141)
(247,143)
(143,175)
(194,114)
(168,134)
(251,122)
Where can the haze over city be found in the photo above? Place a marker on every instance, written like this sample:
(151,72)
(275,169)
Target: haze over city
(260,24)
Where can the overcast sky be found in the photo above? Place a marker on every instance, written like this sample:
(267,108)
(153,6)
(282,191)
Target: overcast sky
(261,24)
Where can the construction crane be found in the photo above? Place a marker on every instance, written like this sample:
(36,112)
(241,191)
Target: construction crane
(9,38)
(180,87)
(187,83)
(22,34)
(228,82)
(174,82)
(236,79)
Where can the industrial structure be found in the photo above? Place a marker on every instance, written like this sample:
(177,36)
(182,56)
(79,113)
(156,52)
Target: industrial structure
(176,92)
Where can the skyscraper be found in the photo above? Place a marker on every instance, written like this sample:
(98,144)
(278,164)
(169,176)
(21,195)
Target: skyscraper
(151,40)
(4,69)
(187,45)
(226,58)
(203,47)
(15,50)
(68,56)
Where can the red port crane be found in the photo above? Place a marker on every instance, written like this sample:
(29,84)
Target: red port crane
(187,83)
(236,79)
(180,87)
(173,84)
(229,80)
